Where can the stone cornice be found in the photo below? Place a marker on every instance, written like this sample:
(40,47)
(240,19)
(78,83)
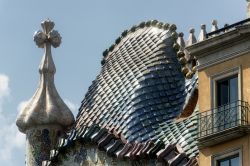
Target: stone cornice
(221,47)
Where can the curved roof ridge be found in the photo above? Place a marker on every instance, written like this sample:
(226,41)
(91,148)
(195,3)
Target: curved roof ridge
(133,29)
(186,70)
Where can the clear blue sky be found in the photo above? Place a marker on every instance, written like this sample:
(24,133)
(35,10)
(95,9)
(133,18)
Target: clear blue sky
(87,29)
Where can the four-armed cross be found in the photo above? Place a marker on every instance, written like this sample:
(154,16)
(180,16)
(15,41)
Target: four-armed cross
(47,35)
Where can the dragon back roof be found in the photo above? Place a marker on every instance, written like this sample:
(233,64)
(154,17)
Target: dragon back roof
(141,84)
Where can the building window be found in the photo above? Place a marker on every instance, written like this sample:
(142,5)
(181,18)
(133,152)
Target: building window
(229,161)
(226,87)
(225,98)
(229,158)
(227,90)
(227,113)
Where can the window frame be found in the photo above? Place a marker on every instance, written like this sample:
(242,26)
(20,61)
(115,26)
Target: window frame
(227,154)
(229,159)
(220,76)
(219,92)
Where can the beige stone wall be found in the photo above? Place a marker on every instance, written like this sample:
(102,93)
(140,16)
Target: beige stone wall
(206,154)
(205,103)
(205,75)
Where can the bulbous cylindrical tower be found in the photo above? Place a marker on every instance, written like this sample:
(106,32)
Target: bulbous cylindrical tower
(46,117)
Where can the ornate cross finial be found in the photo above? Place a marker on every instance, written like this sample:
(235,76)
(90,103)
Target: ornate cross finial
(48,35)
(46,115)
(44,39)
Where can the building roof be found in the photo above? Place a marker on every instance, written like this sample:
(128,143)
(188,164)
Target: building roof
(130,110)
(170,153)
(139,87)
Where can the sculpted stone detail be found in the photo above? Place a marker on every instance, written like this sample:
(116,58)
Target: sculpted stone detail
(46,106)
(50,35)
(46,117)
(40,38)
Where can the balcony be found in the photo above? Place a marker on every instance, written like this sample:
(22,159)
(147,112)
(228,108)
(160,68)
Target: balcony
(223,123)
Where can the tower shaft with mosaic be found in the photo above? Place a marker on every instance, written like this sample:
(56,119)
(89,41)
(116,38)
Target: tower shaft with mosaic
(46,117)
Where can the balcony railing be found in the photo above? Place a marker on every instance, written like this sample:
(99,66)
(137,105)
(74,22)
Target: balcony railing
(223,118)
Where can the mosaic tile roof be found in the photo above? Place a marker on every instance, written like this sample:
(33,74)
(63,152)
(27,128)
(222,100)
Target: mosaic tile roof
(169,153)
(182,133)
(130,110)
(140,85)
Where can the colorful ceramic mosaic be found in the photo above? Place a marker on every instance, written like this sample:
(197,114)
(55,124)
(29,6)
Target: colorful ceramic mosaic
(39,143)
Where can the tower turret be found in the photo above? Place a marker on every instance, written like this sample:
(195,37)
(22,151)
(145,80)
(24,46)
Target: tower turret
(46,117)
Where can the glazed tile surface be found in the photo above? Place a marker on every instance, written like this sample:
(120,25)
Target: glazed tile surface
(139,87)
(131,110)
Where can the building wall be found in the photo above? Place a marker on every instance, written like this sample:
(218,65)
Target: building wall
(205,103)
(206,154)
(205,84)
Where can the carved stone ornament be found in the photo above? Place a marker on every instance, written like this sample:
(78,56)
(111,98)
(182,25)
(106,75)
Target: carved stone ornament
(47,35)
(46,106)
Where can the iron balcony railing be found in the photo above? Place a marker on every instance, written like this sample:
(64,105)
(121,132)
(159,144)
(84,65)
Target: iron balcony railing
(225,117)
